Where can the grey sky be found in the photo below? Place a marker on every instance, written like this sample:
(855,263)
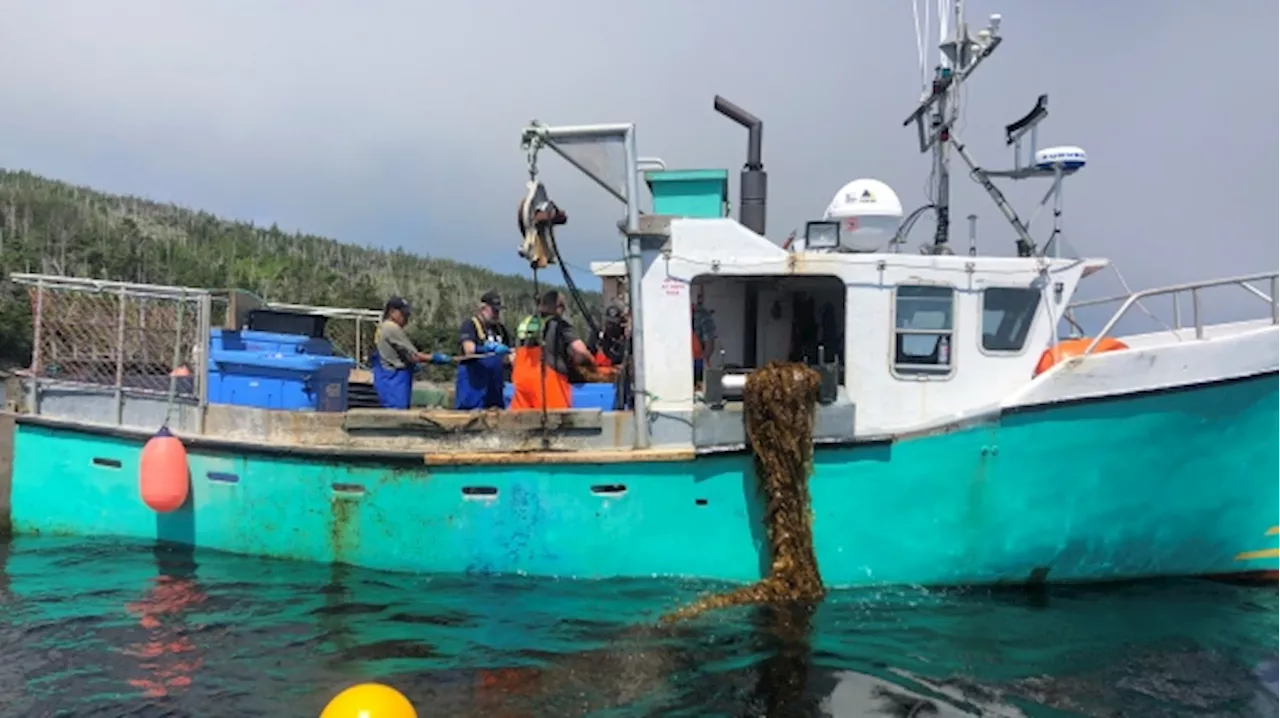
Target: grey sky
(396,122)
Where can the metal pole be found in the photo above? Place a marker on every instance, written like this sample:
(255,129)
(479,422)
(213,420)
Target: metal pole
(1195,313)
(1275,300)
(1057,208)
(582,132)
(635,275)
(60,282)
(1177,311)
(37,320)
(124,300)
(202,360)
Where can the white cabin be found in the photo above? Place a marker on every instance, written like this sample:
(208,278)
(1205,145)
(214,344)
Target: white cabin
(920,337)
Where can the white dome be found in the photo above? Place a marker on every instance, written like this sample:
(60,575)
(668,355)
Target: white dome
(870,212)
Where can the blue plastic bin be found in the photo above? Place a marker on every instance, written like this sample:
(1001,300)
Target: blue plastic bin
(585,396)
(253,341)
(274,380)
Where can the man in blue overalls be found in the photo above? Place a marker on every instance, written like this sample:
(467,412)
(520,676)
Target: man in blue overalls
(395,357)
(482,368)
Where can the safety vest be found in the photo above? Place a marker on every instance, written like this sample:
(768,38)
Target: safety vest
(529,331)
(483,335)
(697,346)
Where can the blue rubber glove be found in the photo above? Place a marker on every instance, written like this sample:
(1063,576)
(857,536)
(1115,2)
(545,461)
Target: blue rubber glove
(500,349)
(441,358)
(485,348)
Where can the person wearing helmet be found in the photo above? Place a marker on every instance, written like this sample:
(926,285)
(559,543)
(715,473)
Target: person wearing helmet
(548,352)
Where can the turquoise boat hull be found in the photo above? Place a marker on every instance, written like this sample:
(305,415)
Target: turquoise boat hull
(1169,483)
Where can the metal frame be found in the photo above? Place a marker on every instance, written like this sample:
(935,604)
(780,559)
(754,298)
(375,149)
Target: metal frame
(1177,289)
(203,298)
(360,316)
(540,135)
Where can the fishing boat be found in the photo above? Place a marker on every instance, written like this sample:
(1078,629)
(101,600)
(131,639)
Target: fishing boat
(969,430)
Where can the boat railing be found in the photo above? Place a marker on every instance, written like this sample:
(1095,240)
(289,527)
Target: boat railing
(127,338)
(350,330)
(1176,292)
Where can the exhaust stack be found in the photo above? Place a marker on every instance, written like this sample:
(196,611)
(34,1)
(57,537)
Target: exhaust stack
(753,186)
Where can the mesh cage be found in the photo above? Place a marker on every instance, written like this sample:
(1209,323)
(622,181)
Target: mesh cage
(116,337)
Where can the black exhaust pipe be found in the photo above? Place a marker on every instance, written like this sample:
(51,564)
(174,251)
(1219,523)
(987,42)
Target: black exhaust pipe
(753,186)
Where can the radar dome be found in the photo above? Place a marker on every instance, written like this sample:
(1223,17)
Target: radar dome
(869,212)
(1071,159)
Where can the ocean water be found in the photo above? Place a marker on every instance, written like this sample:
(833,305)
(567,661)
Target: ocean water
(105,628)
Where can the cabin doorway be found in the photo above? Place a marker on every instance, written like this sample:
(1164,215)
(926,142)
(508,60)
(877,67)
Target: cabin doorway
(743,323)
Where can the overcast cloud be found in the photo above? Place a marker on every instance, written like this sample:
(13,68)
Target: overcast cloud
(396,122)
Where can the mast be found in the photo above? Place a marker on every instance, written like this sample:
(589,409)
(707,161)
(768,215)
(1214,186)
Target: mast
(959,54)
(945,87)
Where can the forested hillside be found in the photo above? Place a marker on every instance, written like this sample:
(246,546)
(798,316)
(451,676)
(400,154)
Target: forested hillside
(52,227)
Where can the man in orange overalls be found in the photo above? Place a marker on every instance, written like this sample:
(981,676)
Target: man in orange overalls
(551,335)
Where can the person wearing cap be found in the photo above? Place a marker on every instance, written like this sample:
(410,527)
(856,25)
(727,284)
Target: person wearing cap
(485,347)
(395,357)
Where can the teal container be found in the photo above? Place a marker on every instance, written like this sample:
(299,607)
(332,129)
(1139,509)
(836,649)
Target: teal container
(703,194)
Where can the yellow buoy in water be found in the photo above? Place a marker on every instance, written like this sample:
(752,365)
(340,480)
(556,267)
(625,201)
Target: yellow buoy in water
(369,700)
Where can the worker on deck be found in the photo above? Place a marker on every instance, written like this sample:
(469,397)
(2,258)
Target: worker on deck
(546,353)
(395,357)
(703,336)
(609,347)
(612,352)
(485,349)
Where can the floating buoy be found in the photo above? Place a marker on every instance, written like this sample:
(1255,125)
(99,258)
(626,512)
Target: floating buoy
(369,700)
(163,477)
(1074,348)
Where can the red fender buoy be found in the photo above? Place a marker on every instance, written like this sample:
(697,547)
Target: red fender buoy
(163,477)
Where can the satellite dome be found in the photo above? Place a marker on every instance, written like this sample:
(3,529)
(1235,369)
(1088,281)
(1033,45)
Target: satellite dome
(1071,159)
(869,212)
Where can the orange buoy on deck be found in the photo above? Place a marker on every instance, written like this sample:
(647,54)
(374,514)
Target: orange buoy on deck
(163,477)
(1074,348)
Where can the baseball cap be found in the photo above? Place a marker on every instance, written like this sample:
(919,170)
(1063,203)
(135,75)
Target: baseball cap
(398,303)
(492,298)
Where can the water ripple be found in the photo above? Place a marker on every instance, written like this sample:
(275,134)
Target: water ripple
(109,628)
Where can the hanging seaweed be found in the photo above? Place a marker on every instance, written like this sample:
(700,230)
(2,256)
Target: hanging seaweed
(778,402)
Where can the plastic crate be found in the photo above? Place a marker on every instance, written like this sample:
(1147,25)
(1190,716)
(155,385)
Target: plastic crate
(274,380)
(254,341)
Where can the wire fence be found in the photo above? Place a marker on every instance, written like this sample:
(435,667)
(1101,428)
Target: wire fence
(112,334)
(148,338)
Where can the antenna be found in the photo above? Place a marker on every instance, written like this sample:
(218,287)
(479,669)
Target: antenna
(961,55)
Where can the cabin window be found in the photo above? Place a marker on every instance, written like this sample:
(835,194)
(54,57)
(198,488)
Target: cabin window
(1007,316)
(924,336)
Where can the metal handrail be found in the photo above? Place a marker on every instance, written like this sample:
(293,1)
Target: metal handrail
(330,312)
(57,281)
(1192,287)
